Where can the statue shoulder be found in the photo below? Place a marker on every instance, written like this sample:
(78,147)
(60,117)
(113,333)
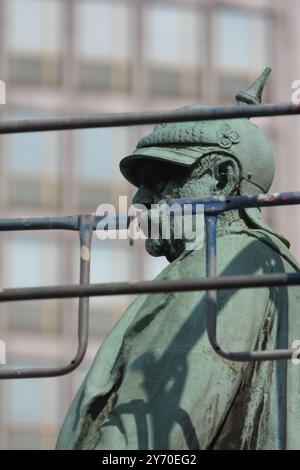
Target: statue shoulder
(245,252)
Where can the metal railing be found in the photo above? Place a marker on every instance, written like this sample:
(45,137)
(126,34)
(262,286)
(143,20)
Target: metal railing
(85,224)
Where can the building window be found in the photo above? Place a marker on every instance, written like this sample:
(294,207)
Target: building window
(34,41)
(98,175)
(35,167)
(173,49)
(32,261)
(103,55)
(33,409)
(243,42)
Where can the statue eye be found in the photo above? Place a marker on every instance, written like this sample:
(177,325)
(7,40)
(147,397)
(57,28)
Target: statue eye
(160,186)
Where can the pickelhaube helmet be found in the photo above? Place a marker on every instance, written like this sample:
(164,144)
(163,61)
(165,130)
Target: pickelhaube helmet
(183,143)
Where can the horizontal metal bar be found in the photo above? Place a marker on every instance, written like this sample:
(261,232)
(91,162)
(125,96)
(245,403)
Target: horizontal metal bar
(212,205)
(217,204)
(40,223)
(69,222)
(149,287)
(152,117)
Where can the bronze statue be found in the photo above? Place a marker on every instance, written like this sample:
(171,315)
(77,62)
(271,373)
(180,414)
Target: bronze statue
(155,382)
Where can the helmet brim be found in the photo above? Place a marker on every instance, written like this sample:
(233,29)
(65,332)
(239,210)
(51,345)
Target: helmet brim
(185,157)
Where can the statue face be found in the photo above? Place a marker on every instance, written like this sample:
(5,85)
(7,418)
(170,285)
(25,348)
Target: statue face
(162,181)
(159,181)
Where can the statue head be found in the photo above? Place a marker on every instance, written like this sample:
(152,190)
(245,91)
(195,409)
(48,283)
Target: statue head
(202,158)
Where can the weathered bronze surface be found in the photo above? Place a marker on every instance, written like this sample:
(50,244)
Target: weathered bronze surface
(155,382)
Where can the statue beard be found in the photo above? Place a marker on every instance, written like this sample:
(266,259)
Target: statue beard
(171,249)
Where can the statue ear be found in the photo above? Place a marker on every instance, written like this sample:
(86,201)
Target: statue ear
(227,176)
(223,171)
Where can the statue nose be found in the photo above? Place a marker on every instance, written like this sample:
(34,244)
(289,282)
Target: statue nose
(144,196)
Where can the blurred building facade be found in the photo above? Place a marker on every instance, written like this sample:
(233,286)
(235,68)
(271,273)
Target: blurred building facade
(75,57)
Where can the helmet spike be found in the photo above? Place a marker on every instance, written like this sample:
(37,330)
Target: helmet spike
(253,94)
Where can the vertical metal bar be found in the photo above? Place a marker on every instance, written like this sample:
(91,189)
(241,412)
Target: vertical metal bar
(211,295)
(86,223)
(212,307)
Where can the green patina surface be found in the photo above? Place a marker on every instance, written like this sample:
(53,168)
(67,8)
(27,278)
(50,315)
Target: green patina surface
(155,382)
